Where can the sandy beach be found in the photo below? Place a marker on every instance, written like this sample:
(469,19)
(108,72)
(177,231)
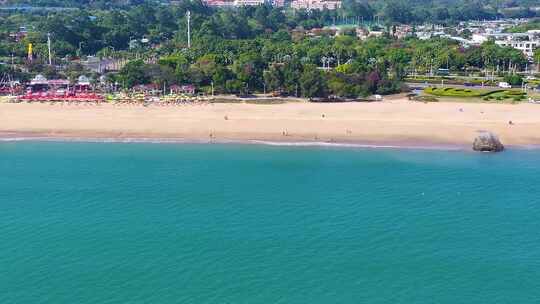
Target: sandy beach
(395,121)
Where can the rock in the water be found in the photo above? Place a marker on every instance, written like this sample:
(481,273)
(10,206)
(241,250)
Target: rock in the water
(487,142)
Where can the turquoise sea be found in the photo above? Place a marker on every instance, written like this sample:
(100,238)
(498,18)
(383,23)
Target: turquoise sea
(194,223)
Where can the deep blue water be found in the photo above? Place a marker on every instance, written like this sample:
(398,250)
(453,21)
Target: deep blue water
(181,223)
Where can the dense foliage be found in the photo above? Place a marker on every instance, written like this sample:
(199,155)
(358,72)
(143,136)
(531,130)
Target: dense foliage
(248,49)
(392,10)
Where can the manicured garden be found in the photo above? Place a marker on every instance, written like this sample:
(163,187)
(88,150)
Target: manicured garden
(501,95)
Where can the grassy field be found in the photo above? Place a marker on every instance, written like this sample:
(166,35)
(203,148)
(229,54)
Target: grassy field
(479,95)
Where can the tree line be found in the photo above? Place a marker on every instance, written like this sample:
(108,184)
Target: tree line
(251,49)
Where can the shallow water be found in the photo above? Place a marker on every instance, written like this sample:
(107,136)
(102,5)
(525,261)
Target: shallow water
(188,223)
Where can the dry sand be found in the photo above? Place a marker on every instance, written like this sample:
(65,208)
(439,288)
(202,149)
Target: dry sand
(396,121)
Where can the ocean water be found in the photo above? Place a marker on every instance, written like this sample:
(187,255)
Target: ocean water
(186,223)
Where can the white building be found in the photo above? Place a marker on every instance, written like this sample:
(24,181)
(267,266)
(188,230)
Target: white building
(525,42)
(479,38)
(364,34)
(526,46)
(462,41)
(425,35)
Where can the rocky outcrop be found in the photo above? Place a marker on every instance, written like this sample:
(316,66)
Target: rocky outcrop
(487,142)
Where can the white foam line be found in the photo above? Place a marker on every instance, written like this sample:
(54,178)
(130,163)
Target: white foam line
(358,145)
(225,141)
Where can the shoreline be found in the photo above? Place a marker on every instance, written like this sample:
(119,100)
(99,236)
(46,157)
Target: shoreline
(397,145)
(393,123)
(300,144)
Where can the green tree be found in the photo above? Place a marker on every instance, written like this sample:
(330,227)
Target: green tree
(514,79)
(133,73)
(274,78)
(312,82)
